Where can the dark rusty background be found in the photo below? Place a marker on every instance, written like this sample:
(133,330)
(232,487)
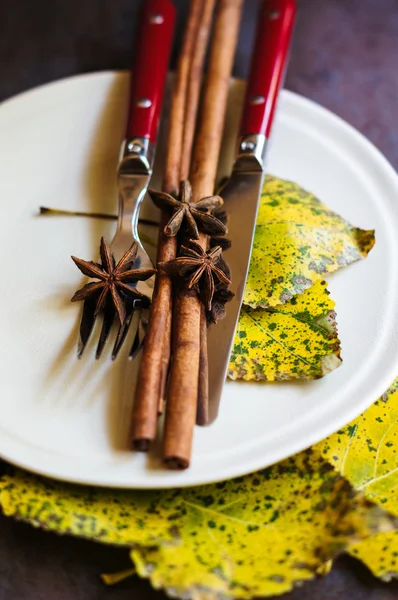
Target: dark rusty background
(344,56)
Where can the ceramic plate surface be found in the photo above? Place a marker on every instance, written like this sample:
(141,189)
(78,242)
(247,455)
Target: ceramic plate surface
(67,419)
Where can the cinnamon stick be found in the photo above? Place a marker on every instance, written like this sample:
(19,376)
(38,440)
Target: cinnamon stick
(195,81)
(152,375)
(194,85)
(181,407)
(202,409)
(165,363)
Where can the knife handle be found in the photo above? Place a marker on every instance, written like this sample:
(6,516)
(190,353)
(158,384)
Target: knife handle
(271,46)
(150,67)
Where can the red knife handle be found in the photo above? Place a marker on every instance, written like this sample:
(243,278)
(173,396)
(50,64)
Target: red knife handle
(271,46)
(150,67)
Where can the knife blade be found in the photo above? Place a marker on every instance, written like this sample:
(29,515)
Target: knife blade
(241,194)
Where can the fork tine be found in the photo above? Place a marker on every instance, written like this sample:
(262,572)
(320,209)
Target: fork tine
(135,348)
(86,324)
(140,333)
(109,316)
(123,329)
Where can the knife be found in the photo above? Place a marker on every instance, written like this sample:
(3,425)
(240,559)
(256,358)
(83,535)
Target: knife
(241,194)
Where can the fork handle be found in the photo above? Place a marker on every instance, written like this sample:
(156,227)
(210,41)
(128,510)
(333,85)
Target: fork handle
(149,70)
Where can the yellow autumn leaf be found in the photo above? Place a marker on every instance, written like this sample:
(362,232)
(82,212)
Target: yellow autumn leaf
(114,578)
(256,535)
(271,531)
(295,340)
(379,553)
(108,516)
(366,453)
(298,240)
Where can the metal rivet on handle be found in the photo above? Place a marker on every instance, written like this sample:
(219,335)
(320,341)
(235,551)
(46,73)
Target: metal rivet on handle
(134,147)
(143,102)
(247,146)
(274,14)
(257,100)
(156,19)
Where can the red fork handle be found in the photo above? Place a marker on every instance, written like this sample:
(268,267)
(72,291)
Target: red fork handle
(271,46)
(150,66)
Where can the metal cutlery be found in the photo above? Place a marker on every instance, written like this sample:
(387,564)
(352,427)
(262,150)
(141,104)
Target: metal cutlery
(135,169)
(242,192)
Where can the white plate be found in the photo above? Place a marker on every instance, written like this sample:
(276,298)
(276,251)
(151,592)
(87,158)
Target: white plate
(66,418)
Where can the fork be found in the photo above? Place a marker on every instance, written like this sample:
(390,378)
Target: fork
(135,169)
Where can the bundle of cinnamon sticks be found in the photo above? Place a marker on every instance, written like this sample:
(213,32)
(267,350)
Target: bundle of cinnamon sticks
(173,373)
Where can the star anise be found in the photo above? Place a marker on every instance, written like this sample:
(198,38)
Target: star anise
(113,279)
(192,216)
(199,268)
(222,295)
(221,240)
(221,215)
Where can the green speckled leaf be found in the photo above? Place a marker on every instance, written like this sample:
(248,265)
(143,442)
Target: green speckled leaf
(379,553)
(366,453)
(259,535)
(256,535)
(295,340)
(298,240)
(108,516)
